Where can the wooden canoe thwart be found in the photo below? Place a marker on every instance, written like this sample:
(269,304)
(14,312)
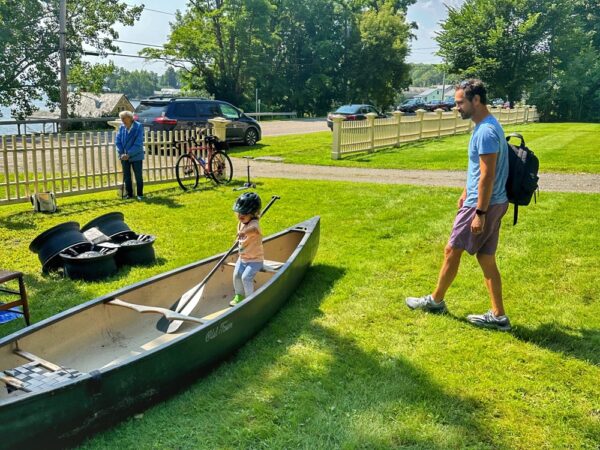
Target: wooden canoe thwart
(99,362)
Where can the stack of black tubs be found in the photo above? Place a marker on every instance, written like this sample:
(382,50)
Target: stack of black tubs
(95,251)
(133,249)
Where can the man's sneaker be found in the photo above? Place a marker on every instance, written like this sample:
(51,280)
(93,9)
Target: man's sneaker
(238,298)
(426,303)
(489,320)
(140,198)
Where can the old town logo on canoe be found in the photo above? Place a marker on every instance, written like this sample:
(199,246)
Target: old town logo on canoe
(217,331)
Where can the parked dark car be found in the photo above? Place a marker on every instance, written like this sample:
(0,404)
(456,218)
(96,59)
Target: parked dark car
(354,112)
(168,113)
(411,105)
(449,102)
(432,105)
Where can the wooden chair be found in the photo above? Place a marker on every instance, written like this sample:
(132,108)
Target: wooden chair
(5,276)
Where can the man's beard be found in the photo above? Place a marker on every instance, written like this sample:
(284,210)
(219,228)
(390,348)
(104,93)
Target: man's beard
(465,115)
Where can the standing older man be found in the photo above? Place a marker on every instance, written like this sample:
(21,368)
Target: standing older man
(481,207)
(130,147)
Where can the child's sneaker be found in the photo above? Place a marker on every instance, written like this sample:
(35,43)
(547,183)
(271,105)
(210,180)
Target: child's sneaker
(489,320)
(427,303)
(238,298)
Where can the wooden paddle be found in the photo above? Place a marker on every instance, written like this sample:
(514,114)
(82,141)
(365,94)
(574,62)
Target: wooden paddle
(189,300)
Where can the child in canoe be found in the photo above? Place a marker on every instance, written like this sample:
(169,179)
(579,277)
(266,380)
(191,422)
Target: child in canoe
(251,253)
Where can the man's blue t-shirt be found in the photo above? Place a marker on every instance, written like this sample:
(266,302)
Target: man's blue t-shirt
(488,137)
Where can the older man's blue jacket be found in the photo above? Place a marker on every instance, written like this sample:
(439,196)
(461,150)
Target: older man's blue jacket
(132,142)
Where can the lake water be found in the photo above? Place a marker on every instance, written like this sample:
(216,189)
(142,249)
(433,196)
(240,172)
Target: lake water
(33,128)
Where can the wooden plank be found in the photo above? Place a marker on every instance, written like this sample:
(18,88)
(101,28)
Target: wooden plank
(53,162)
(107,155)
(35,165)
(26,167)
(83,152)
(143,309)
(216,314)
(92,158)
(44,165)
(69,164)
(16,167)
(6,172)
(40,361)
(153,149)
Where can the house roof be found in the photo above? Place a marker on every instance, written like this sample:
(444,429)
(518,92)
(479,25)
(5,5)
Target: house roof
(98,105)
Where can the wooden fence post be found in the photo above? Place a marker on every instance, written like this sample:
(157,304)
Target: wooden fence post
(455,112)
(371,127)
(398,116)
(420,117)
(336,148)
(6,172)
(440,113)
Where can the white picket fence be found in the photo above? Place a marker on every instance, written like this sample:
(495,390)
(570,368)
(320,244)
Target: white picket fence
(79,162)
(354,136)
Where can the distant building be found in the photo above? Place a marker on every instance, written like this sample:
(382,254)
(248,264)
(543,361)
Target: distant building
(435,93)
(108,104)
(168,92)
(91,105)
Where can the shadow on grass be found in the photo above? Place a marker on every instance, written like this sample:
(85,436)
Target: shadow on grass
(580,343)
(300,383)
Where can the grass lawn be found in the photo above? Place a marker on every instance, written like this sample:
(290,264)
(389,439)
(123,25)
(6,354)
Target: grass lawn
(561,147)
(345,364)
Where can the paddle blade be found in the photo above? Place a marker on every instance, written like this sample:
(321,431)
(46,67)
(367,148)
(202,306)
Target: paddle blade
(187,310)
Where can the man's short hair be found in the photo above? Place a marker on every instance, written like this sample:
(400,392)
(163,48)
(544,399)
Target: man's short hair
(473,87)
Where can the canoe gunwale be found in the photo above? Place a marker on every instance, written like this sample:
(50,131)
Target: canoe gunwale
(307,227)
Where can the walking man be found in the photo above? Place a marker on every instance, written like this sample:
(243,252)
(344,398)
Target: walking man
(481,207)
(130,147)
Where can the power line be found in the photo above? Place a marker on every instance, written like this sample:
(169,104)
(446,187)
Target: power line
(88,53)
(154,10)
(158,11)
(138,43)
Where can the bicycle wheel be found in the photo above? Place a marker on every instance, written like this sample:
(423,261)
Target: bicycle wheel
(221,168)
(186,170)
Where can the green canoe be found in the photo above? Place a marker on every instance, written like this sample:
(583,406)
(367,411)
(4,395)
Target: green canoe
(90,366)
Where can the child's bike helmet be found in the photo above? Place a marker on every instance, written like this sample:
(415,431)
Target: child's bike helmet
(247,203)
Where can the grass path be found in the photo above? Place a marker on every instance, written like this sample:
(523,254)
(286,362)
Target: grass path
(345,364)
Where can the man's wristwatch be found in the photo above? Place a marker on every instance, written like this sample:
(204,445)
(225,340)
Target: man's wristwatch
(480,212)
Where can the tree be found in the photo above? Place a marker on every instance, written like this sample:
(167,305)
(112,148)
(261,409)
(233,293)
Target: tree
(170,79)
(495,40)
(380,69)
(221,39)
(302,56)
(29,44)
(88,77)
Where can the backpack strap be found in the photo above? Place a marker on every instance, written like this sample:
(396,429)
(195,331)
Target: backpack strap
(518,136)
(515,214)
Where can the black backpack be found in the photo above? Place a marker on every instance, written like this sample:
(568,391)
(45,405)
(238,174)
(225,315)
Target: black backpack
(522,182)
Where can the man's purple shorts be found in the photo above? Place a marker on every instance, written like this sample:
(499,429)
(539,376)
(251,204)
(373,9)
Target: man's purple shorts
(486,242)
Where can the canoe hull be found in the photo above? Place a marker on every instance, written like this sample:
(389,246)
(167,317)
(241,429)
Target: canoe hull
(66,415)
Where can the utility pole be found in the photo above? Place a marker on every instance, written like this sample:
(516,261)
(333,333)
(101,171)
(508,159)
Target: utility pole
(443,87)
(62,30)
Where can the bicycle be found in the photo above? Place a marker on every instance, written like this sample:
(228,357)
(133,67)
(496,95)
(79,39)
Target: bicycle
(216,167)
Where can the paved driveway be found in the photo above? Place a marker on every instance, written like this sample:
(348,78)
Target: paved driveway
(296,126)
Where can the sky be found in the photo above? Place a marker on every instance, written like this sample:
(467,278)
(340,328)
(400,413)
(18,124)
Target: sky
(153,28)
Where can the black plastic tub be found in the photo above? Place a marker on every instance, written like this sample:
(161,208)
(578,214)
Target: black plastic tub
(111,224)
(135,249)
(89,264)
(52,242)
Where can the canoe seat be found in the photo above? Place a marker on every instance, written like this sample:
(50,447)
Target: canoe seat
(36,375)
(268,266)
